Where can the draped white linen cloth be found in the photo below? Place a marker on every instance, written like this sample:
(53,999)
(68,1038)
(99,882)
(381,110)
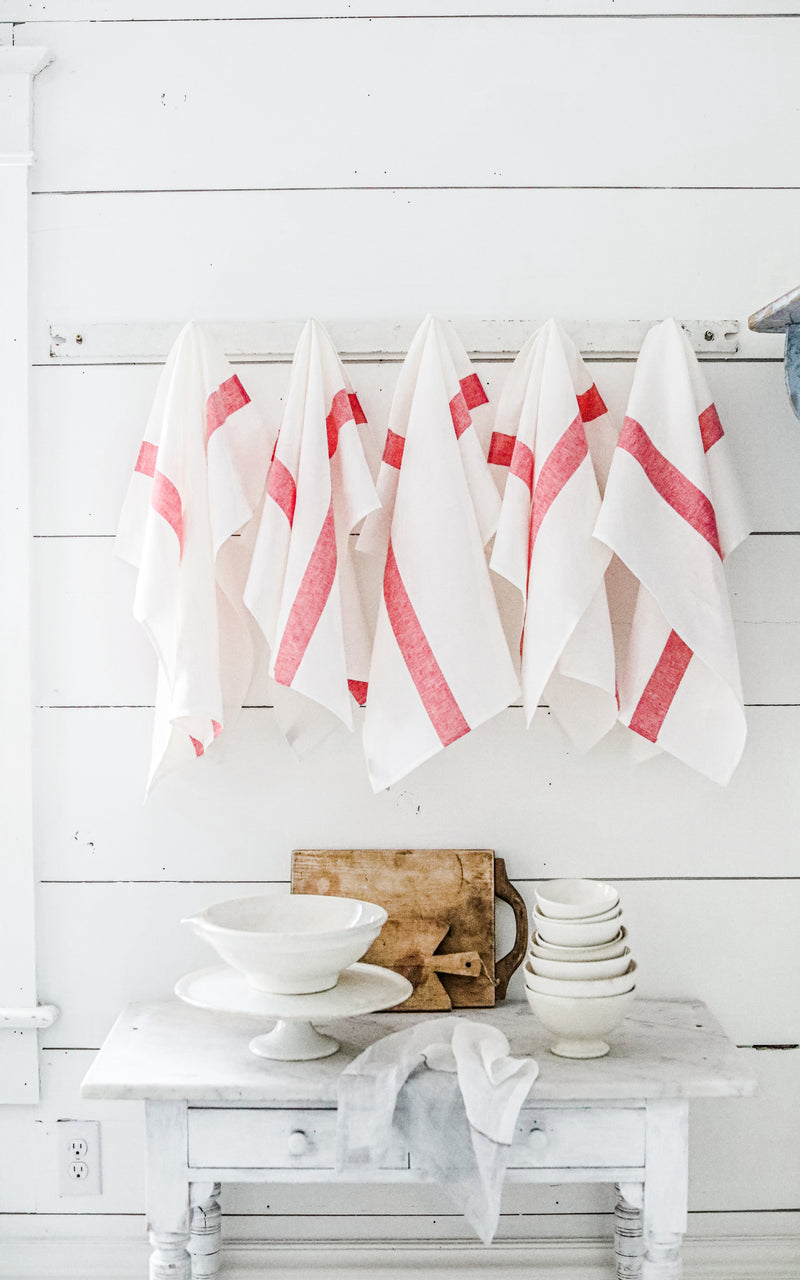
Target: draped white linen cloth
(198,480)
(672,512)
(453,1093)
(301,588)
(440,661)
(554,435)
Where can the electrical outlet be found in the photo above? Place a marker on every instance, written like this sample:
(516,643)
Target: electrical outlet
(78,1154)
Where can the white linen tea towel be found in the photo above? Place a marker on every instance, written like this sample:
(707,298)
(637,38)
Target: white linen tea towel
(198,480)
(301,588)
(458,1116)
(554,435)
(672,512)
(440,661)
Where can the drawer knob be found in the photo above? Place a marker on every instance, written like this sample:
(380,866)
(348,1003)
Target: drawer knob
(298,1143)
(537,1142)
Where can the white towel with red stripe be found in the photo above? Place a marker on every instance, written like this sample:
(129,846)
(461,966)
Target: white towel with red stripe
(672,512)
(302,589)
(440,661)
(553,434)
(198,480)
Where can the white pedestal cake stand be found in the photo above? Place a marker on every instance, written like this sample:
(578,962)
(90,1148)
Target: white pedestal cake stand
(363,988)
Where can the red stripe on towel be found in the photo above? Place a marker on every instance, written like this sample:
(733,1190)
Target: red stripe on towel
(472,391)
(282,488)
(522,464)
(358,688)
(229,397)
(501,449)
(591,405)
(460,414)
(443,711)
(341,412)
(689,502)
(393,449)
(358,413)
(309,602)
(661,688)
(146,461)
(560,466)
(710,427)
(166,500)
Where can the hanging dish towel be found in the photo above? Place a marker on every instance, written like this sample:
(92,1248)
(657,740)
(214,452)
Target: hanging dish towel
(198,480)
(672,512)
(553,434)
(301,588)
(440,662)
(450,1089)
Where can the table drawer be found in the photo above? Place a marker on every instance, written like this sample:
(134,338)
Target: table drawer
(233,1138)
(581,1137)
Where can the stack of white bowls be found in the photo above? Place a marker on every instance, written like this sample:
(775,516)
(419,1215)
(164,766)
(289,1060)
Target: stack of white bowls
(580,976)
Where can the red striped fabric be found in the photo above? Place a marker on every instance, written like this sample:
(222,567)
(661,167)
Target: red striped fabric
(341,412)
(689,502)
(501,449)
(197,744)
(309,602)
(282,488)
(146,461)
(442,709)
(358,414)
(522,464)
(358,688)
(472,391)
(460,414)
(710,427)
(590,405)
(393,449)
(229,397)
(661,688)
(562,463)
(166,500)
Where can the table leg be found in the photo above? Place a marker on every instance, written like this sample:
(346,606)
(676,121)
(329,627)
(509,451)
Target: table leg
(628,1230)
(206,1233)
(167,1191)
(666,1188)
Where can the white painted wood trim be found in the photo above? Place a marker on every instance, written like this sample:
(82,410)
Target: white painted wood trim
(19,1074)
(722,1258)
(275,340)
(42,1015)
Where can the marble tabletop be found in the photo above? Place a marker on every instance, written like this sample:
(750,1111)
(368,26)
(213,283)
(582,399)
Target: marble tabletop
(664,1049)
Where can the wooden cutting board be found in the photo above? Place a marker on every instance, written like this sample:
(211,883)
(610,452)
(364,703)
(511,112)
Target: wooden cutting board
(440,932)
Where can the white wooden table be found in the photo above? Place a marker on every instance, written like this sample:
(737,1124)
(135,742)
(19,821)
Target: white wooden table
(215,1113)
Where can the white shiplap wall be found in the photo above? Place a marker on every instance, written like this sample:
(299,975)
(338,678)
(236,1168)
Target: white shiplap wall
(274,160)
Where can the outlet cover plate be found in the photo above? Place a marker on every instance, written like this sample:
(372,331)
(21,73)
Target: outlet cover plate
(78,1156)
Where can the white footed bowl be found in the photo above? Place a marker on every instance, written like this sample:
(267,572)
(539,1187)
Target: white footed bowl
(582,988)
(575,969)
(290,944)
(575,899)
(600,951)
(577,933)
(580,1024)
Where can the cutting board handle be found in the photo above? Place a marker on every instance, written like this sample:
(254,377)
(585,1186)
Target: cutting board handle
(506,892)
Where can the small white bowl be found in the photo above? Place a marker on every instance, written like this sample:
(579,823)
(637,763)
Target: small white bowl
(577,933)
(580,1024)
(575,899)
(600,951)
(573,970)
(290,944)
(582,988)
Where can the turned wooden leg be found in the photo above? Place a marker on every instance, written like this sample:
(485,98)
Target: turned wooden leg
(628,1231)
(662,1259)
(206,1224)
(169,1257)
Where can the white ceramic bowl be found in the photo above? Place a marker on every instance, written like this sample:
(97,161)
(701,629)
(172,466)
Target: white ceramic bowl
(573,970)
(580,1024)
(582,988)
(290,944)
(577,933)
(575,899)
(600,951)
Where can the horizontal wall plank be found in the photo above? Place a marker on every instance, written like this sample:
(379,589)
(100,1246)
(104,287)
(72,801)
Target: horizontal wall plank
(87,423)
(249,256)
(97,951)
(545,810)
(414,103)
(83,595)
(267,10)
